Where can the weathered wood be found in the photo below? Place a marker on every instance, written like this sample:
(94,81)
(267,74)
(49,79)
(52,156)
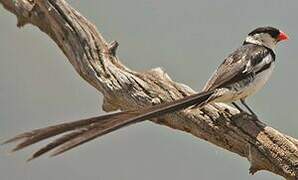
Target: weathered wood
(95,60)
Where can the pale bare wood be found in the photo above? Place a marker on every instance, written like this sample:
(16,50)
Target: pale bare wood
(95,60)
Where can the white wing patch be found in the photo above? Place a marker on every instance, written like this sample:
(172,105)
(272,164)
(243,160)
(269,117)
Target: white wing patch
(266,60)
(247,67)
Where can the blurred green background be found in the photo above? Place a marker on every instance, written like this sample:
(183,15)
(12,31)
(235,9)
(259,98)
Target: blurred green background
(188,39)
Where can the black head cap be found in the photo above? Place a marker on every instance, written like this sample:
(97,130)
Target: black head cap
(270,30)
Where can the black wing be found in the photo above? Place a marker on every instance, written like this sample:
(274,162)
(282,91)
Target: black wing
(237,66)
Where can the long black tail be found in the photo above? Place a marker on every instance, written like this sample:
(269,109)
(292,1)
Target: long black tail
(81,131)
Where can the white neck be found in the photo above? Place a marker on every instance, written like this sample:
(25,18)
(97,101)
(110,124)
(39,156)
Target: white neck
(252,40)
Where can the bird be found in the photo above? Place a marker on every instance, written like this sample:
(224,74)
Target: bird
(243,73)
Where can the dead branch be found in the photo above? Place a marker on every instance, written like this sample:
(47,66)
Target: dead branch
(95,60)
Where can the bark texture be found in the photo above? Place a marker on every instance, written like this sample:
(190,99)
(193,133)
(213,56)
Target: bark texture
(95,60)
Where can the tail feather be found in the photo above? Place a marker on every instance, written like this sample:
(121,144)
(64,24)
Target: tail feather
(29,138)
(77,137)
(56,143)
(81,131)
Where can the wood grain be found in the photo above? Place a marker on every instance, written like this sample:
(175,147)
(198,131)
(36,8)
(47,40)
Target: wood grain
(96,61)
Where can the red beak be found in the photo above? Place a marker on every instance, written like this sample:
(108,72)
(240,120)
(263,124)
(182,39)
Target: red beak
(282,36)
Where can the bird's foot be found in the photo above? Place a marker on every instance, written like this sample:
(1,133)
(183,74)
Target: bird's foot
(253,116)
(250,116)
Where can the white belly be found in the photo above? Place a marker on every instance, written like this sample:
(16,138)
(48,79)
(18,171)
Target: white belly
(228,95)
(258,82)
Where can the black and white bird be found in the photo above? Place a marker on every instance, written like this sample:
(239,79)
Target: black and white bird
(246,70)
(242,73)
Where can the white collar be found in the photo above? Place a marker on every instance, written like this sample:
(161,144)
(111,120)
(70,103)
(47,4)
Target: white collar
(251,40)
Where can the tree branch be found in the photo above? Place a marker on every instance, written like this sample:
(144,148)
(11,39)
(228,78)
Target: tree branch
(95,60)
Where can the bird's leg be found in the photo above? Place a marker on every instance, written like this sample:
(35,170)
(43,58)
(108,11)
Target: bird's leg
(247,107)
(237,107)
